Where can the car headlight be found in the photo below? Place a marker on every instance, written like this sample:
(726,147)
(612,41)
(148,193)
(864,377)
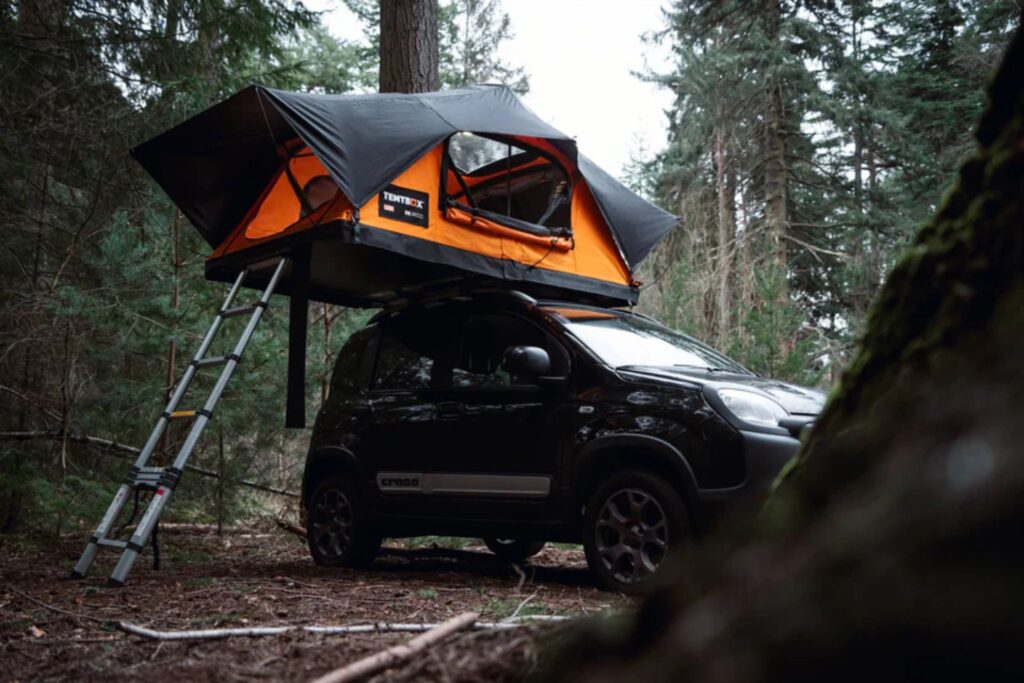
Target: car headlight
(753,408)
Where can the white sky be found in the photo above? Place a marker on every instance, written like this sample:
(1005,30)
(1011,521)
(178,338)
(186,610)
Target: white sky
(580,55)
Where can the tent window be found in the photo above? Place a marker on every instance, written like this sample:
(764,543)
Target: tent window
(317,191)
(506,182)
(471,153)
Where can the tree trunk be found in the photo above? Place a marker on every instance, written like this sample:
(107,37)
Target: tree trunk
(209,38)
(726,238)
(776,211)
(408,46)
(891,548)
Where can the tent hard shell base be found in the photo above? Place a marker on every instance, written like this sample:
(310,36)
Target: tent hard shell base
(353,265)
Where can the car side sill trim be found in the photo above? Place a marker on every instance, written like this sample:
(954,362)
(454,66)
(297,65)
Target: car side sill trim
(453,484)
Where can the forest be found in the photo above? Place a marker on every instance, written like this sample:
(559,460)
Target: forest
(812,158)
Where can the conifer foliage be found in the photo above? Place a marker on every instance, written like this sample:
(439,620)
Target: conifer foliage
(103,297)
(807,141)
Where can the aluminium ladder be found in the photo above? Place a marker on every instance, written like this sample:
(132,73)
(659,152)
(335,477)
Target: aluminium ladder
(162,480)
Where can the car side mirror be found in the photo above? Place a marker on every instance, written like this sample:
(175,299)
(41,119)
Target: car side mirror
(531,361)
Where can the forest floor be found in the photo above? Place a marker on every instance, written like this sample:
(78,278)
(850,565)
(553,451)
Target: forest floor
(53,628)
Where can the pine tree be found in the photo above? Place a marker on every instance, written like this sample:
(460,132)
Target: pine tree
(101,277)
(740,85)
(840,121)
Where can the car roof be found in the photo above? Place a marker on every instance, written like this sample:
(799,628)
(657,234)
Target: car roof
(507,299)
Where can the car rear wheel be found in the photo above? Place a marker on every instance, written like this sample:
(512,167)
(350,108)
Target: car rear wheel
(632,522)
(513,550)
(337,529)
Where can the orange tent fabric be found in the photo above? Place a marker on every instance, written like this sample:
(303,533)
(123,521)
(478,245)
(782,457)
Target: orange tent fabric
(591,252)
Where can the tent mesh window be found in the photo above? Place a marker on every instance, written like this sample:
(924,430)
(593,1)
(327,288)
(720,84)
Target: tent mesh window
(509,183)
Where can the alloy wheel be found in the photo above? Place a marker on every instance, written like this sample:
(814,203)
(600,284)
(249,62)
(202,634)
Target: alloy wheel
(631,535)
(331,523)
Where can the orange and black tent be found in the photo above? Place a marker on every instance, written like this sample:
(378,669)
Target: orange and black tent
(393,191)
(375,197)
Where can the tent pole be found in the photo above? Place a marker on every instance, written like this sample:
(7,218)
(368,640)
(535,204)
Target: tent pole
(298,322)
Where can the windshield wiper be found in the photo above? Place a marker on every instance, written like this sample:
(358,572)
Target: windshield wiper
(706,368)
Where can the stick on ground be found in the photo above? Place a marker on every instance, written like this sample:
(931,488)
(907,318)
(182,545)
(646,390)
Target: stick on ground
(255,631)
(393,655)
(290,527)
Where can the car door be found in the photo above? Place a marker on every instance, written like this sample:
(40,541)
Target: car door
(404,437)
(500,431)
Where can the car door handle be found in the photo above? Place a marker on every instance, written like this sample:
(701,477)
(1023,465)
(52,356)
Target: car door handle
(450,409)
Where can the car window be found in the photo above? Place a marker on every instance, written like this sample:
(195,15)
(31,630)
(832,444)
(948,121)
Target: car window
(627,340)
(348,376)
(410,354)
(401,367)
(482,345)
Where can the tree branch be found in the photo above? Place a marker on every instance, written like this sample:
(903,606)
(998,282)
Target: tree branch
(399,653)
(123,450)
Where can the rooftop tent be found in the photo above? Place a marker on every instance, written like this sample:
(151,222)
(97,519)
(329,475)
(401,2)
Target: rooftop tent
(377,197)
(386,193)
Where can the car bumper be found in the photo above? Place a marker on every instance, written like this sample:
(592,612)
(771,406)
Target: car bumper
(765,455)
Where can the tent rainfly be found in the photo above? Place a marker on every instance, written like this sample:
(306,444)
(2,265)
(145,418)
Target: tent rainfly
(377,197)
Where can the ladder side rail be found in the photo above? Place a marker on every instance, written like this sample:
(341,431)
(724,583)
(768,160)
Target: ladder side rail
(186,379)
(163,493)
(229,368)
(124,490)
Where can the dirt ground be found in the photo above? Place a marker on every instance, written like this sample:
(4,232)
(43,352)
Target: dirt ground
(53,628)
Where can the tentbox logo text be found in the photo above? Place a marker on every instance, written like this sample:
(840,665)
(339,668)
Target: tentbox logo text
(403,204)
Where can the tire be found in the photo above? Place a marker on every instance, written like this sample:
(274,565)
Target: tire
(513,550)
(337,529)
(633,521)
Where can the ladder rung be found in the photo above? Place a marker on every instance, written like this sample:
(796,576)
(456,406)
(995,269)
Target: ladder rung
(183,414)
(149,476)
(238,310)
(112,543)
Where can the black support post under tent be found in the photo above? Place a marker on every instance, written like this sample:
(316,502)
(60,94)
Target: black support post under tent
(298,322)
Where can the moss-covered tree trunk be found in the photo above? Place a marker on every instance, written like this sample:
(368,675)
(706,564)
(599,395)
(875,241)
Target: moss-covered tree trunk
(893,549)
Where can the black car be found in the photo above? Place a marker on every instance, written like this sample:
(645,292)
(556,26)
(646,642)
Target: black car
(523,421)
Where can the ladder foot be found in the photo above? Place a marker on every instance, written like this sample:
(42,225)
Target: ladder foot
(75,574)
(114,583)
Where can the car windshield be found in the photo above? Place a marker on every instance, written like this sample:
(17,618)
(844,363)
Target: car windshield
(628,340)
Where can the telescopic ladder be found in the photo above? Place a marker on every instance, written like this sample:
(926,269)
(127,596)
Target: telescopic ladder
(162,480)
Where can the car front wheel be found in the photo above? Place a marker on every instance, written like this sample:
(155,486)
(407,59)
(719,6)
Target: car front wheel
(632,522)
(337,528)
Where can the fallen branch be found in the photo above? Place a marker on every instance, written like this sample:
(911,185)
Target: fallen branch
(291,528)
(45,411)
(256,631)
(399,653)
(195,528)
(120,448)
(56,609)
